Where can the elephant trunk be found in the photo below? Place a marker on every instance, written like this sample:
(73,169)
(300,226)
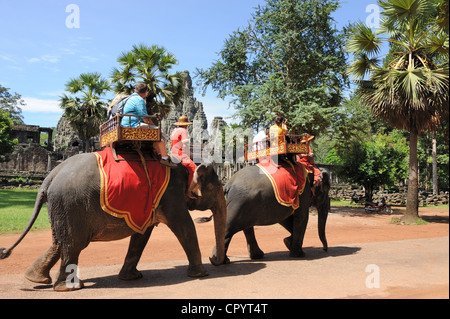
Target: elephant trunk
(220,217)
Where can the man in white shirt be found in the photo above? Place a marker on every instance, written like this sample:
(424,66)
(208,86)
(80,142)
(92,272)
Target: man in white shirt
(259,138)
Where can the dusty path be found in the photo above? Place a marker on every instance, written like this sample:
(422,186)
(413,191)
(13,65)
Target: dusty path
(410,262)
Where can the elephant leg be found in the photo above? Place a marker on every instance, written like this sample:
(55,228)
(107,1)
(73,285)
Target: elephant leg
(298,234)
(39,271)
(135,249)
(184,229)
(231,229)
(252,245)
(288,224)
(68,278)
(228,237)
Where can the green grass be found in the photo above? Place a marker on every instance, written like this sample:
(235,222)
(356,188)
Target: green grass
(16,208)
(341,203)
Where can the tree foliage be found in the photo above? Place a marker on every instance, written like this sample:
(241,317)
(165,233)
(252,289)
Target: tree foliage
(151,65)
(11,104)
(83,107)
(377,161)
(10,114)
(367,151)
(6,144)
(288,61)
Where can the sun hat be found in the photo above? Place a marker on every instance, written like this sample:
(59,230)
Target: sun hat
(306,138)
(183,121)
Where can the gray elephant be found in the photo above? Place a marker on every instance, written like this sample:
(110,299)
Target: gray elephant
(72,193)
(251,201)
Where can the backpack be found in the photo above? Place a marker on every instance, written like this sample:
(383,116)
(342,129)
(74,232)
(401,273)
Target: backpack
(118,107)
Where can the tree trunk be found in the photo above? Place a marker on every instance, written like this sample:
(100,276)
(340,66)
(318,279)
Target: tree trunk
(368,192)
(435,171)
(87,145)
(412,203)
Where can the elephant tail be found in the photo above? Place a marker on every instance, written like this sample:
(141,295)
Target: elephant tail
(322,203)
(40,200)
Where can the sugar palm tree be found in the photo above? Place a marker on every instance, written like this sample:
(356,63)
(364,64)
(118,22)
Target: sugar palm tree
(151,65)
(410,90)
(83,107)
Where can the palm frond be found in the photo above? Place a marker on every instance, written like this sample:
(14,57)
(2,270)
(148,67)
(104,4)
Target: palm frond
(363,40)
(362,66)
(151,65)
(403,11)
(83,108)
(437,43)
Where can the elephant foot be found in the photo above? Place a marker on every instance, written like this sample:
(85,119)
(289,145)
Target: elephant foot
(128,275)
(226,261)
(37,276)
(197,271)
(256,254)
(296,253)
(63,286)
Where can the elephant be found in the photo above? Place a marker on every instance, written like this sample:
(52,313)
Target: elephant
(251,201)
(72,193)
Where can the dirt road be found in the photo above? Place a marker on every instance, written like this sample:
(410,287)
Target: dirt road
(368,258)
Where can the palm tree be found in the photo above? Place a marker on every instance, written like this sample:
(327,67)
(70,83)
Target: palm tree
(151,65)
(410,91)
(83,108)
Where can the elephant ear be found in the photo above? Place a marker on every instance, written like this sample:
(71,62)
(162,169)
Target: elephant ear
(198,181)
(201,173)
(206,174)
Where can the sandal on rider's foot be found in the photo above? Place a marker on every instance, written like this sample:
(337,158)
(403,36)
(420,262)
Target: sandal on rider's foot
(167,162)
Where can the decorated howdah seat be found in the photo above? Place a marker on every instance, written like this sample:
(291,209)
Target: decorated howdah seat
(280,145)
(112,132)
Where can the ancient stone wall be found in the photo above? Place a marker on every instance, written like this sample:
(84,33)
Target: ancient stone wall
(31,158)
(344,193)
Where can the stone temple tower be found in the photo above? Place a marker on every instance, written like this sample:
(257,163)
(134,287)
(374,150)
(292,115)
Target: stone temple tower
(193,109)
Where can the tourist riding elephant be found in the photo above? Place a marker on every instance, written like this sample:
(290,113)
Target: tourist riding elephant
(72,193)
(251,201)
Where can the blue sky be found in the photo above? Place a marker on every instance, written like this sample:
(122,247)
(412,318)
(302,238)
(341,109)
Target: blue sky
(40,51)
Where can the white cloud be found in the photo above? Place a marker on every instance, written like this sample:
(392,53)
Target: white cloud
(41,106)
(7,58)
(68,51)
(91,59)
(33,60)
(45,58)
(50,58)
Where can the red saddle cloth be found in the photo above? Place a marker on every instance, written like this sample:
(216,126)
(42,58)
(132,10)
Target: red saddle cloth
(126,192)
(288,180)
